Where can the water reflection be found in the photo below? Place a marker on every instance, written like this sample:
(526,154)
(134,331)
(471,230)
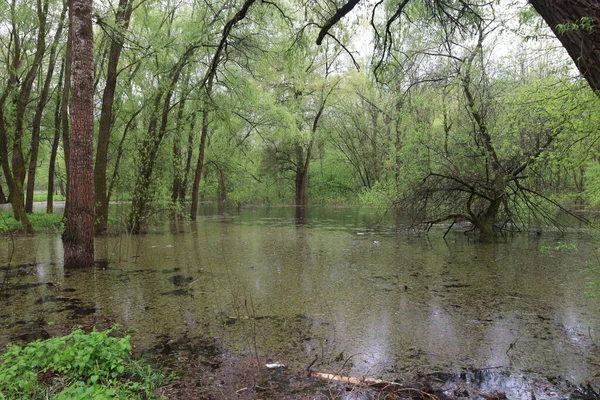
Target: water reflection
(327,283)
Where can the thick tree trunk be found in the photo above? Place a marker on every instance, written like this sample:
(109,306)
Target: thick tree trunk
(581,43)
(78,237)
(122,19)
(489,218)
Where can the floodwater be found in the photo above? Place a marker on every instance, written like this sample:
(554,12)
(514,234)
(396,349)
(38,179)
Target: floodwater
(339,285)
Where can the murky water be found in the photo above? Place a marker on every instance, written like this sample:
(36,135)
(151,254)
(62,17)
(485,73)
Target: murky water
(336,285)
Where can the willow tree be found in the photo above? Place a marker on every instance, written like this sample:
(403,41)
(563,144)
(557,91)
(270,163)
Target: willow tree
(78,237)
(576,24)
(117,37)
(24,57)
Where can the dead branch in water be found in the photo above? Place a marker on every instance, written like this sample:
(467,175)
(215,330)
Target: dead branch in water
(377,384)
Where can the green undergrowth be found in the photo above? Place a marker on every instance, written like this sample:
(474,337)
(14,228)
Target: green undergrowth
(77,366)
(41,222)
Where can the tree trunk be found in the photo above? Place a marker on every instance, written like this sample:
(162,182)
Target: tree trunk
(152,142)
(582,42)
(148,153)
(178,172)
(303,164)
(122,19)
(207,84)
(222,188)
(188,161)
(199,164)
(55,142)
(16,177)
(487,221)
(66,94)
(2,196)
(120,149)
(37,119)
(78,237)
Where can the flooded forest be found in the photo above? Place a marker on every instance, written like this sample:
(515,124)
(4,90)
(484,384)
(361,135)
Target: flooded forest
(276,199)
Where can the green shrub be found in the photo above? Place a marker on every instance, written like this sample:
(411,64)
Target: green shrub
(75,366)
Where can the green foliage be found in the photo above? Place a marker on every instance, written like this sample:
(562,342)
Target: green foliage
(380,195)
(560,247)
(76,366)
(40,222)
(585,24)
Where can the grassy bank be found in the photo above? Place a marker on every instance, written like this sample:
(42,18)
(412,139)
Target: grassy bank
(42,223)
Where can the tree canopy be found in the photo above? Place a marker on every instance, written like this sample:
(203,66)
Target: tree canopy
(450,111)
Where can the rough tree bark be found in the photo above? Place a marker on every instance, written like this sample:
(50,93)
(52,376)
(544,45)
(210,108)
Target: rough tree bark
(583,45)
(122,18)
(78,237)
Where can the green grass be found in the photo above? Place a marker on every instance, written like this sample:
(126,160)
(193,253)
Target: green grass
(43,196)
(77,366)
(41,222)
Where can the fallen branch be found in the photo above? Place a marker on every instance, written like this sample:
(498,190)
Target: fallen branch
(373,383)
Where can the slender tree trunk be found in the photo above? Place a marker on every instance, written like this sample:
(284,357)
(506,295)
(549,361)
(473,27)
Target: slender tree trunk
(122,19)
(55,143)
(199,164)
(22,98)
(37,119)
(151,145)
(120,149)
(207,84)
(222,187)
(178,171)
(2,196)
(66,95)
(188,161)
(78,237)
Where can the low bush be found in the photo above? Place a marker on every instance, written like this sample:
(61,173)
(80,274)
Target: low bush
(76,366)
